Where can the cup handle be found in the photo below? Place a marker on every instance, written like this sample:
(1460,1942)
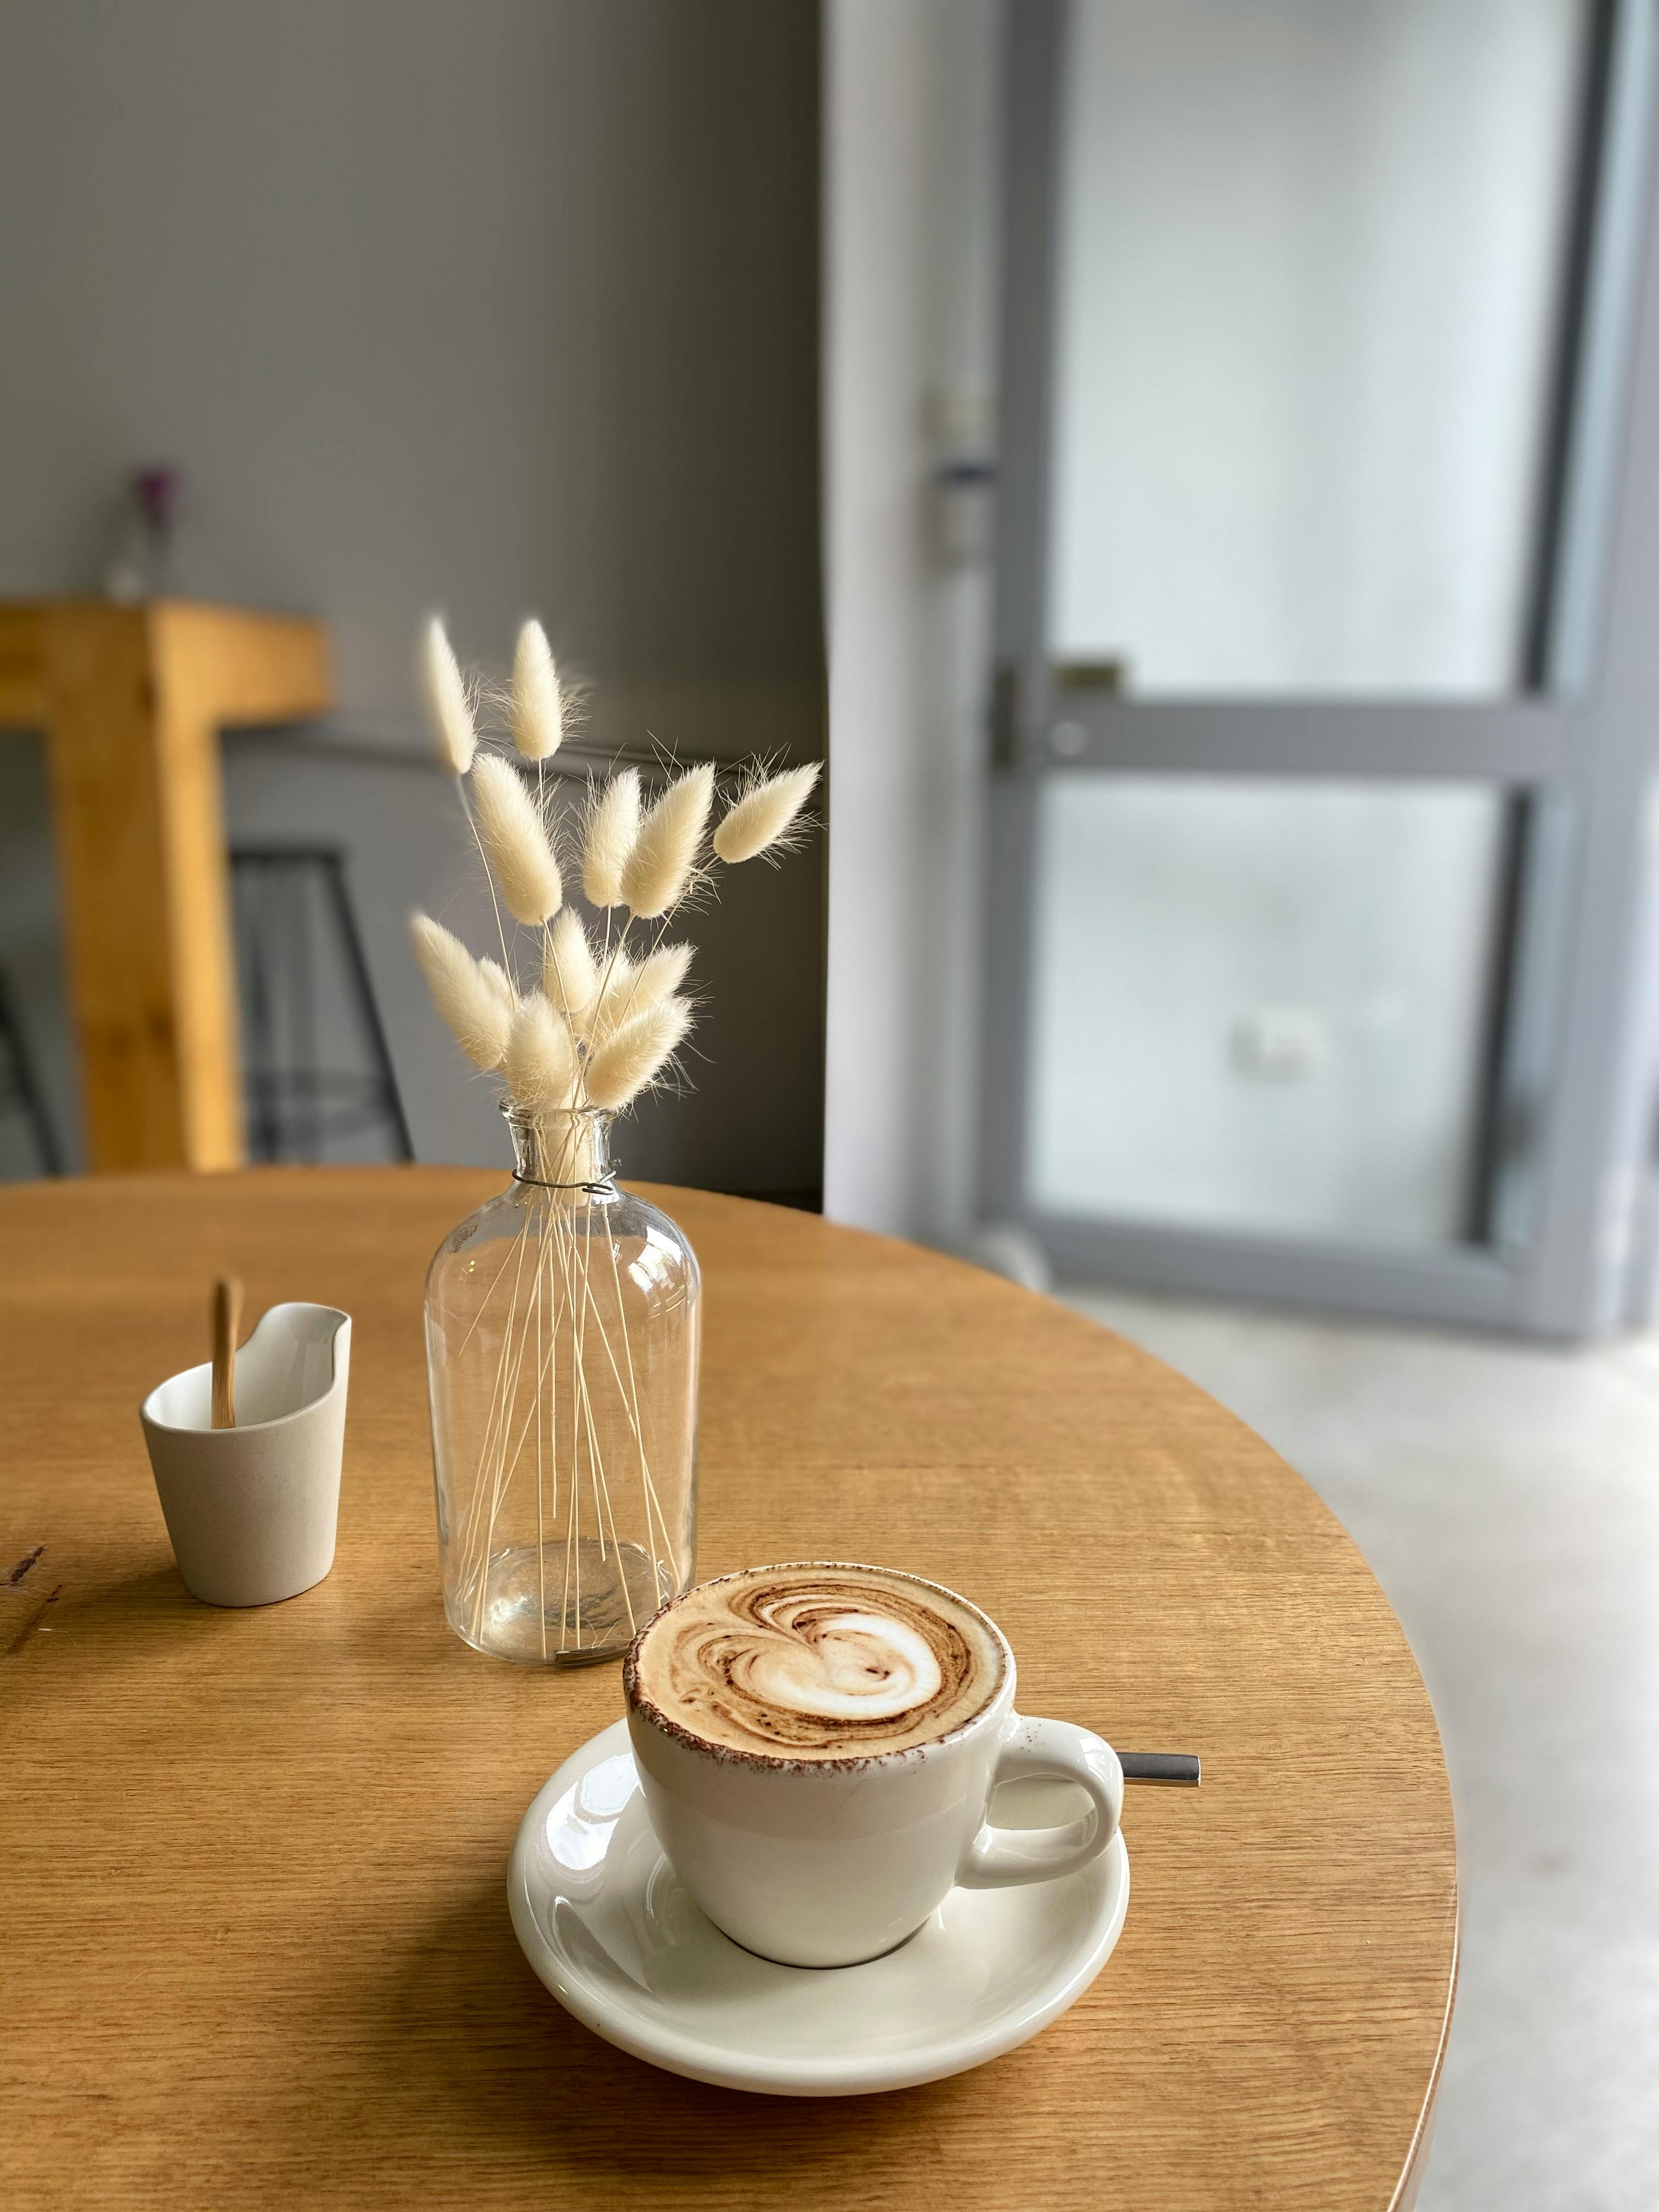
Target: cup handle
(1053,1750)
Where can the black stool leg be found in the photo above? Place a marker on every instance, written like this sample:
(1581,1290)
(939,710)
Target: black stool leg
(264,1130)
(294,1102)
(27,1090)
(307,1109)
(368,1006)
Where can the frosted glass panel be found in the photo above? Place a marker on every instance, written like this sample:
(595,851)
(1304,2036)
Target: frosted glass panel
(1310,279)
(1262,1006)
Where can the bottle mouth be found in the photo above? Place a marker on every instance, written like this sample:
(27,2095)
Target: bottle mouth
(562,1148)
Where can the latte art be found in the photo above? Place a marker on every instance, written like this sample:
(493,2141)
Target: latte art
(817,1662)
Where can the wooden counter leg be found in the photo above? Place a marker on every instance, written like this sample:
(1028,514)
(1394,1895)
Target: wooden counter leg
(133,700)
(143,882)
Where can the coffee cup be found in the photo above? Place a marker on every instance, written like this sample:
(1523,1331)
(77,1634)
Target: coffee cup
(818,1745)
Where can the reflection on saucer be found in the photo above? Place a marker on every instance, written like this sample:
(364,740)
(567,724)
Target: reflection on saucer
(580,1825)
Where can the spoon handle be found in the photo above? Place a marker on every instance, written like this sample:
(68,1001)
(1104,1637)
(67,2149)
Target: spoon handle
(226,1327)
(1178,1766)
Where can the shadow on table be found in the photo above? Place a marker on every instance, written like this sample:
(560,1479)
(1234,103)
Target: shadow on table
(100,1614)
(118,1610)
(470,2031)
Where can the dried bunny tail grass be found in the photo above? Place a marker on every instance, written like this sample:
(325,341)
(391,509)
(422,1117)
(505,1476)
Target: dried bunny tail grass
(473,996)
(764,816)
(619,1069)
(613,824)
(666,851)
(446,700)
(496,981)
(629,990)
(564,1148)
(659,977)
(515,841)
(538,705)
(614,1001)
(540,1062)
(570,977)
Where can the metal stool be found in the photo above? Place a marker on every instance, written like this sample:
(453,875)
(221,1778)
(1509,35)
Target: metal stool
(18,1090)
(291,905)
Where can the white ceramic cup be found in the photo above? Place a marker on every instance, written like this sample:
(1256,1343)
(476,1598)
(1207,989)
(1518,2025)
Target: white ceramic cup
(827,1862)
(251,1511)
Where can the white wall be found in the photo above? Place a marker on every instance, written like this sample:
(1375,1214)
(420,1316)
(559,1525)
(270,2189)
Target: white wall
(911,136)
(497,308)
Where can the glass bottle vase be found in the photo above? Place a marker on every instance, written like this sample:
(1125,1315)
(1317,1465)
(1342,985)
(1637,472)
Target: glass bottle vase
(561,1345)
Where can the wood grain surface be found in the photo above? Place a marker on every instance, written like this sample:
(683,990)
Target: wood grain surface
(254,1945)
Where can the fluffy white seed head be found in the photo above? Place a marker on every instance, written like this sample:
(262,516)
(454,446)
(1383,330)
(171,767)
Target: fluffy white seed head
(659,976)
(666,851)
(496,981)
(763,816)
(630,988)
(540,1062)
(473,996)
(446,700)
(636,1053)
(515,841)
(570,977)
(537,701)
(613,1001)
(613,824)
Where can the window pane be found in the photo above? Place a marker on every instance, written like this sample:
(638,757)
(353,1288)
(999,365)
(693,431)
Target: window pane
(1310,283)
(1264,1005)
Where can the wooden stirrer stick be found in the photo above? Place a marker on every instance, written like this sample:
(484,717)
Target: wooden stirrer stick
(226,1328)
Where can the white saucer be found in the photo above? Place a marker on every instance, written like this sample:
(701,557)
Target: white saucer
(604,1922)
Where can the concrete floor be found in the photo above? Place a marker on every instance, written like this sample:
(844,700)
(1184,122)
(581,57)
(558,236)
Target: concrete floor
(1507,1497)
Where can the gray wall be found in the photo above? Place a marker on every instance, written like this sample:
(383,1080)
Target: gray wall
(497,309)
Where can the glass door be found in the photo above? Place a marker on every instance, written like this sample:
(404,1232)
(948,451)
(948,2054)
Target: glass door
(1322,707)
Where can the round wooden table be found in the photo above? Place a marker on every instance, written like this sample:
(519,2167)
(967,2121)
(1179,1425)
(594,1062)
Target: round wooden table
(255,1947)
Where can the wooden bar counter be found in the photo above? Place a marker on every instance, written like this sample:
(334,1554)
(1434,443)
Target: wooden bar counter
(255,1949)
(132,701)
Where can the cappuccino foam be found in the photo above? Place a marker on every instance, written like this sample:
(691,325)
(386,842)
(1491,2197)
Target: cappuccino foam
(817,1662)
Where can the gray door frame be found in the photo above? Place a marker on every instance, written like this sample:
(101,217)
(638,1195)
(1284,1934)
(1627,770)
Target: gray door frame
(1573,1091)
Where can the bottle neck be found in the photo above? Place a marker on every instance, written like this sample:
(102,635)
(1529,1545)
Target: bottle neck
(566,1148)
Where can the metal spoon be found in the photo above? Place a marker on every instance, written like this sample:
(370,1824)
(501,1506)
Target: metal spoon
(1180,1767)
